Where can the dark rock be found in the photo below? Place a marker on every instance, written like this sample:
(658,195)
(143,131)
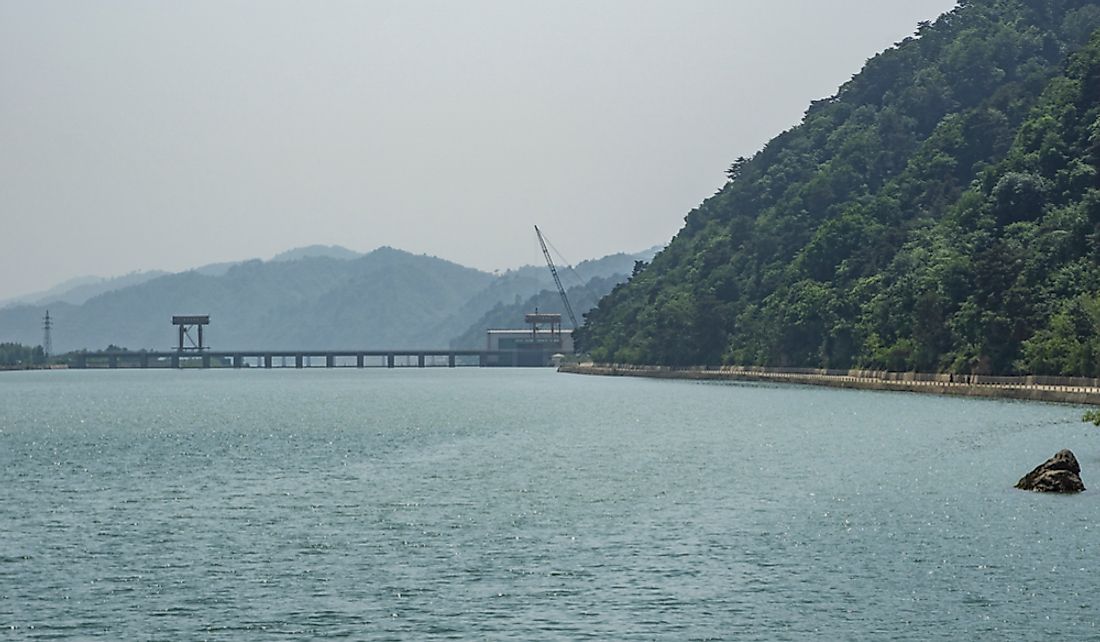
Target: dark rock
(1059,474)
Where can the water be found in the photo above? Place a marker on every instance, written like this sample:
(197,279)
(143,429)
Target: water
(522,505)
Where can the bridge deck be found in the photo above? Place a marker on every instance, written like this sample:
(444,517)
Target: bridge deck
(304,359)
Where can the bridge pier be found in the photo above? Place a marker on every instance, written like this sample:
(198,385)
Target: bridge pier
(451,360)
(330,361)
(238,361)
(299,361)
(205,359)
(420,360)
(175,361)
(391,358)
(358,361)
(144,360)
(267,360)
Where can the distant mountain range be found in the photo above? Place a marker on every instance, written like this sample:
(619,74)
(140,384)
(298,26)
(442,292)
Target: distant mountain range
(78,290)
(314,297)
(315,251)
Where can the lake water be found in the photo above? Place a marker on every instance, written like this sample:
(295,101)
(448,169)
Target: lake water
(530,505)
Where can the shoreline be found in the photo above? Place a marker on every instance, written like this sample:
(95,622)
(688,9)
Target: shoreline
(1066,390)
(27,368)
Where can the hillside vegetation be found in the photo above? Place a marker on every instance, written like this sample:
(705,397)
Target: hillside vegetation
(940,212)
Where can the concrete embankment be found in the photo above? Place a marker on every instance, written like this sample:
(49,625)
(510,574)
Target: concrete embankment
(1074,390)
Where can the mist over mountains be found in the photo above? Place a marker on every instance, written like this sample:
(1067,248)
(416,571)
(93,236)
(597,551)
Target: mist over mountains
(79,289)
(317,297)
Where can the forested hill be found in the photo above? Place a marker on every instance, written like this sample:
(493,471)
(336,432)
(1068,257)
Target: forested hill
(941,212)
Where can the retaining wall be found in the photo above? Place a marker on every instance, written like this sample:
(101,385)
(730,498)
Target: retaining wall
(1075,390)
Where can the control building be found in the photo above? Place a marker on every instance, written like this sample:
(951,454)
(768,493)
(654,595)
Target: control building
(536,345)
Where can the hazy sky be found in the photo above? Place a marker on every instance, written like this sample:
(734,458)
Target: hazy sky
(158,135)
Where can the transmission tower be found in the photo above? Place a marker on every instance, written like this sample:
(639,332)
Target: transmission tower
(47,335)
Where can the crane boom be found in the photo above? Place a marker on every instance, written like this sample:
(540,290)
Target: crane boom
(557,281)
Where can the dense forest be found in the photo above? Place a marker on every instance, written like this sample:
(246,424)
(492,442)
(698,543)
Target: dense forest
(941,212)
(16,355)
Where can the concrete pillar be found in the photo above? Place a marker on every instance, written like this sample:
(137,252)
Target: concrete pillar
(420,360)
(299,361)
(330,360)
(238,361)
(205,359)
(390,359)
(176,360)
(451,360)
(358,361)
(144,360)
(267,360)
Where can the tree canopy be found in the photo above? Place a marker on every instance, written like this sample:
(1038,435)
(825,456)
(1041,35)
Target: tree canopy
(16,355)
(940,212)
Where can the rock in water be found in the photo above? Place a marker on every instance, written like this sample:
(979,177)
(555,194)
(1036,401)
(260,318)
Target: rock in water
(1059,474)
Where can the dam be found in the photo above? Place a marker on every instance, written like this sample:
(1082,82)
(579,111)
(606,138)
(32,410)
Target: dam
(310,359)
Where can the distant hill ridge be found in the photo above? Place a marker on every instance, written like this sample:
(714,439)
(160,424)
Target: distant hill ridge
(78,290)
(309,298)
(315,251)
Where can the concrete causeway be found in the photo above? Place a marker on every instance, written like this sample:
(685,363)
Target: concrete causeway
(1073,390)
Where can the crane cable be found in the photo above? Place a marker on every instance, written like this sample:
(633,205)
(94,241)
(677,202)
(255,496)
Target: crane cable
(557,280)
